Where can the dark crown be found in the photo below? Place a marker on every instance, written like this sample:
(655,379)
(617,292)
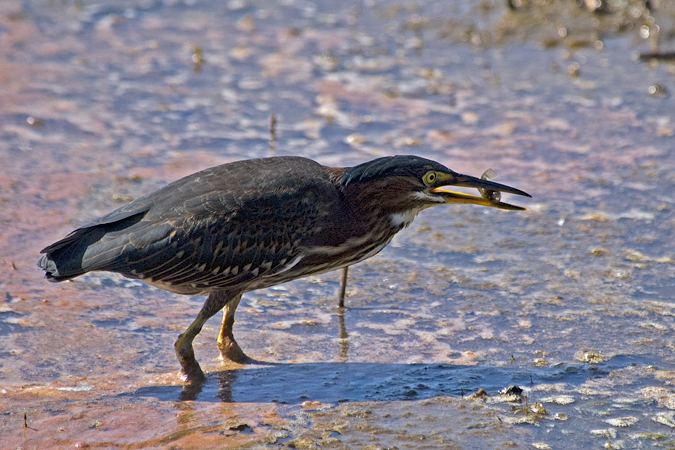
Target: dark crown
(400,165)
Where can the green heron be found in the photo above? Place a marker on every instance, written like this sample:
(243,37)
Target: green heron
(257,223)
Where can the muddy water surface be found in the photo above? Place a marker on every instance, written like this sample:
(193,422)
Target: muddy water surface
(571,301)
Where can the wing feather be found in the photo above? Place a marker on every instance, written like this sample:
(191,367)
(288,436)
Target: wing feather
(221,227)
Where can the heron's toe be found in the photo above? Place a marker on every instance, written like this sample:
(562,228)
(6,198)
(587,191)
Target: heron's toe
(230,351)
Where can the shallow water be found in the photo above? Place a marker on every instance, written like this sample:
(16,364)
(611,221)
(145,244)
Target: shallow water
(572,300)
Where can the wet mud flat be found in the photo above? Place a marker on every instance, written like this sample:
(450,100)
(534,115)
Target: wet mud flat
(352,405)
(571,301)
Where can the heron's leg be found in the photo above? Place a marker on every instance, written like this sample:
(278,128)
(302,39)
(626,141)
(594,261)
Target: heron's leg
(343,287)
(184,350)
(229,349)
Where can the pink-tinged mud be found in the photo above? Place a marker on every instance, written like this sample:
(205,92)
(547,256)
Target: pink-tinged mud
(572,300)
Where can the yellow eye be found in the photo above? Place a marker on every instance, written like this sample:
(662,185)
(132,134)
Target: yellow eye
(429,178)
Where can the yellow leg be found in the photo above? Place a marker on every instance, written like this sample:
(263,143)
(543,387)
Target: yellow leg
(229,349)
(191,371)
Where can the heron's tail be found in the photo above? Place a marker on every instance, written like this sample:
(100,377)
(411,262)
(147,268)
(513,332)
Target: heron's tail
(97,246)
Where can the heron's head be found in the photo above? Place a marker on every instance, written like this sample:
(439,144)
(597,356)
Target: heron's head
(402,186)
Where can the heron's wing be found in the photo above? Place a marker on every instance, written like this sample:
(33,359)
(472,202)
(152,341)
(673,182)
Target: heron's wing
(216,228)
(227,236)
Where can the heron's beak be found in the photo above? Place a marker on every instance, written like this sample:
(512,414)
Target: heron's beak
(486,187)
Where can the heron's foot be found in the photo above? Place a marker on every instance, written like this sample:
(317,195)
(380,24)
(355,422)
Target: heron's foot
(191,372)
(230,351)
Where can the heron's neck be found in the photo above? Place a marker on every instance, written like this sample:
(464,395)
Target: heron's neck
(376,201)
